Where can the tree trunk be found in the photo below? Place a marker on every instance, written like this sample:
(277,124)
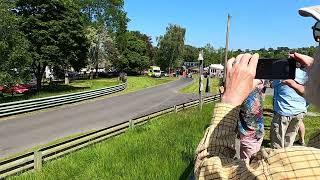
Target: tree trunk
(97,68)
(39,81)
(39,74)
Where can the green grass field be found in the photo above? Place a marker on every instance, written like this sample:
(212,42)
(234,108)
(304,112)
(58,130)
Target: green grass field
(140,82)
(161,149)
(134,84)
(194,87)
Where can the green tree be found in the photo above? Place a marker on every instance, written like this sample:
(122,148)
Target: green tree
(211,55)
(190,53)
(137,54)
(150,50)
(14,56)
(102,51)
(56,31)
(111,15)
(170,47)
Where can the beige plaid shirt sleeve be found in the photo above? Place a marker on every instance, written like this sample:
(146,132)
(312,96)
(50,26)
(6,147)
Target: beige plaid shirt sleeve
(215,155)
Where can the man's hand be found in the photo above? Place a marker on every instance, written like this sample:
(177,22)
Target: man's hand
(294,85)
(241,72)
(304,60)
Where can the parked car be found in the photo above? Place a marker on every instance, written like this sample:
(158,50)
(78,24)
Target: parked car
(18,89)
(164,74)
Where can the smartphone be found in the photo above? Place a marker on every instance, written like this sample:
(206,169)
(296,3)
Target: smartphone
(276,69)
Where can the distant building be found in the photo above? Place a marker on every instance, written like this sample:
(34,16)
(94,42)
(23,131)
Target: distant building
(216,70)
(191,64)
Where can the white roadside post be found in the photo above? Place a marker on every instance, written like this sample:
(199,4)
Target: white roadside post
(38,160)
(200,59)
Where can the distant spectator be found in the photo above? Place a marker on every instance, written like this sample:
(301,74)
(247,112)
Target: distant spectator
(289,111)
(123,77)
(251,124)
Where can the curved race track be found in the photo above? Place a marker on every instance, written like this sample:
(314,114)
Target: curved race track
(29,130)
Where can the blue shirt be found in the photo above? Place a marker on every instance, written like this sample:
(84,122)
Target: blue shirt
(287,102)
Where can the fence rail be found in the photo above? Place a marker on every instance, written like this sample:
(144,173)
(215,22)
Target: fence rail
(34,160)
(12,108)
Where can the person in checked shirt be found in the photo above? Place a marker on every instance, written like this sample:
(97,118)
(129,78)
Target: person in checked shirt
(215,153)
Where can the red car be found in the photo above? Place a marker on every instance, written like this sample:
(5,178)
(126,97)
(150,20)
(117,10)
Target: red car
(18,89)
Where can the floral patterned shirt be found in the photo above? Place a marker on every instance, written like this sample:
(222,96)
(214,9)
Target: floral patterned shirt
(251,121)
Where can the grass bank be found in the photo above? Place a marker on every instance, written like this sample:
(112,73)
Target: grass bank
(53,90)
(161,149)
(134,84)
(194,87)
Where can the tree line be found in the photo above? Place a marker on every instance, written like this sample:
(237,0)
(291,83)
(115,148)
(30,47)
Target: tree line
(65,34)
(216,55)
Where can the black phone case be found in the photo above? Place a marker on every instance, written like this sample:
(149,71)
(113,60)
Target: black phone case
(276,69)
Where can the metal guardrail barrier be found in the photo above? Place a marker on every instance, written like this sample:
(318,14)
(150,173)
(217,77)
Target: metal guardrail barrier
(12,108)
(34,160)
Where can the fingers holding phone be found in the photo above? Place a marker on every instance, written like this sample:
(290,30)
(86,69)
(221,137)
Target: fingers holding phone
(240,78)
(304,60)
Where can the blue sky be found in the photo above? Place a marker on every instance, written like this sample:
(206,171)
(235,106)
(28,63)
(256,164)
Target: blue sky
(255,23)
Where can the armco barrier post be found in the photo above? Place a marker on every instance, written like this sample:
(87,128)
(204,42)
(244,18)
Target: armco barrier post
(175,109)
(37,160)
(131,124)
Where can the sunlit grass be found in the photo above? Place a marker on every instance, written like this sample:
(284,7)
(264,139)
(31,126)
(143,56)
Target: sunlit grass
(161,149)
(140,82)
(194,87)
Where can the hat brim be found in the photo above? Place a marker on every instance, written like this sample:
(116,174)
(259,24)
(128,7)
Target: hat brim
(313,11)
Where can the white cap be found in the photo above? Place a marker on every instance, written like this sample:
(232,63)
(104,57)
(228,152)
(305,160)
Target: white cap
(312,11)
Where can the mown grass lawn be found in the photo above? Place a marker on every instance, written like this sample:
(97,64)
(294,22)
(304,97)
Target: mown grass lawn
(161,149)
(140,82)
(194,87)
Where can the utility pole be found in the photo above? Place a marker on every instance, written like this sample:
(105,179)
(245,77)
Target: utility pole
(208,85)
(227,48)
(200,59)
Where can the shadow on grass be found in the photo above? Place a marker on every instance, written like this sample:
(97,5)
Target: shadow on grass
(46,91)
(187,156)
(61,89)
(188,172)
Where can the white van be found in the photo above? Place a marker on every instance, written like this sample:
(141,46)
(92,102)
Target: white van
(154,71)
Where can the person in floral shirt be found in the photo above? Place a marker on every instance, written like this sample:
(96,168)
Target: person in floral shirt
(251,123)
